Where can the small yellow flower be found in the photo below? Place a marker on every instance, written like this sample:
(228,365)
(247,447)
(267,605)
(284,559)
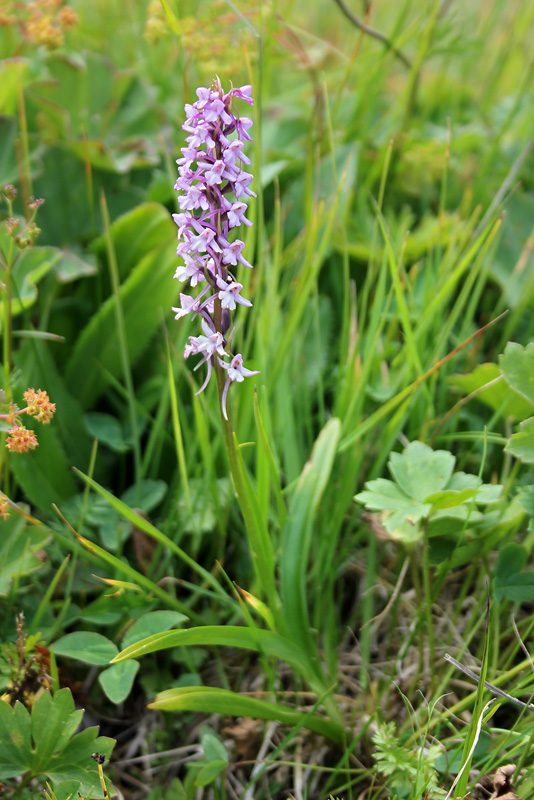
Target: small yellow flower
(20,440)
(39,405)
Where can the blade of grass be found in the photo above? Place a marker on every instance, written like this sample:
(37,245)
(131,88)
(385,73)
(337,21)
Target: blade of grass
(178,439)
(137,520)
(135,576)
(125,358)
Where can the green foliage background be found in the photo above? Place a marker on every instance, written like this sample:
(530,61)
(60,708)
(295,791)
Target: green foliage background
(393,223)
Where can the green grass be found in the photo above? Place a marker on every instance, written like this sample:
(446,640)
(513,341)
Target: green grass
(393,225)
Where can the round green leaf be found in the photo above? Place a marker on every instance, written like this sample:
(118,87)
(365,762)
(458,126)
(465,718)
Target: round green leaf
(91,648)
(153,622)
(421,471)
(117,681)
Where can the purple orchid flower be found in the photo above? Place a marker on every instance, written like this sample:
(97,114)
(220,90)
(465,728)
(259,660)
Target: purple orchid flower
(210,175)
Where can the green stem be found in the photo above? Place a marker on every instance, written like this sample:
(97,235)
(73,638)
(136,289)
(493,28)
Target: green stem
(428,611)
(7,351)
(123,346)
(268,585)
(7,318)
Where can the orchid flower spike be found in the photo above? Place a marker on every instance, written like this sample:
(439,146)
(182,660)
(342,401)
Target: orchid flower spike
(214,189)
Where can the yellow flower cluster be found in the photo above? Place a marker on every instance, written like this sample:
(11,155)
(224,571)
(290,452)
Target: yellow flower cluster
(40,21)
(39,405)
(213,37)
(20,440)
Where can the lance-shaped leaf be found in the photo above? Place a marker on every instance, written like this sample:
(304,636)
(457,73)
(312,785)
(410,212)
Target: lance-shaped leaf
(267,642)
(209,700)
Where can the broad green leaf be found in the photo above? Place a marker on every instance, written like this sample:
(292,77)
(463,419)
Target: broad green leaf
(136,234)
(19,544)
(221,701)
(499,395)
(32,266)
(147,292)
(8,137)
(449,499)
(15,741)
(521,445)
(71,267)
(384,495)
(213,748)
(297,535)
(512,263)
(146,496)
(451,521)
(66,790)
(526,498)
(101,113)
(208,773)
(91,648)
(43,743)
(151,623)
(103,611)
(519,588)
(463,488)
(112,528)
(512,559)
(44,473)
(74,762)
(517,366)
(407,532)
(108,430)
(13,72)
(117,681)
(54,721)
(421,471)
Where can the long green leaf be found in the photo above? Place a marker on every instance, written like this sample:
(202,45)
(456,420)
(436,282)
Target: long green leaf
(400,295)
(267,642)
(297,534)
(478,711)
(44,473)
(147,291)
(221,701)
(258,535)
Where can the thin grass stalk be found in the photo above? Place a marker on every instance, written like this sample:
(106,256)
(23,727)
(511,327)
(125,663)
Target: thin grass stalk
(121,333)
(264,571)
(45,602)
(177,429)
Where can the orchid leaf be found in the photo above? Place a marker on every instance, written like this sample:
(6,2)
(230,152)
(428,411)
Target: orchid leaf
(204,699)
